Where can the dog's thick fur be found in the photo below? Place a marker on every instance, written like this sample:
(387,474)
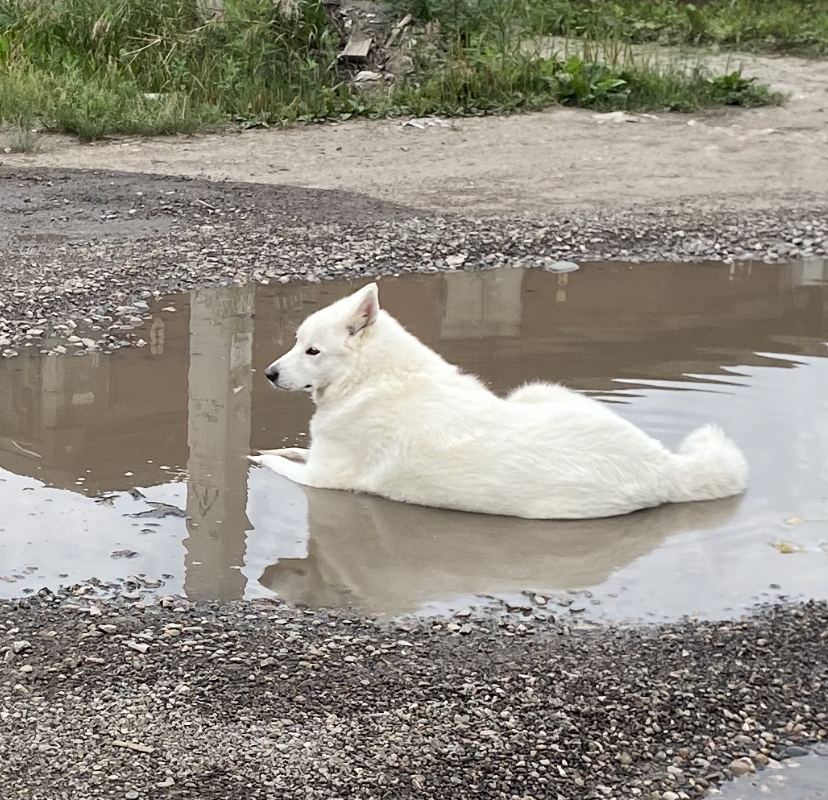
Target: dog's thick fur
(396,420)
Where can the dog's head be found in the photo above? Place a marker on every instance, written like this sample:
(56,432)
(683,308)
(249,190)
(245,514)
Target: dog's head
(325,342)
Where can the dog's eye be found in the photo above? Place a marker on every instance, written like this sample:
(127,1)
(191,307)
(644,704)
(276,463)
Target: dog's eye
(311,351)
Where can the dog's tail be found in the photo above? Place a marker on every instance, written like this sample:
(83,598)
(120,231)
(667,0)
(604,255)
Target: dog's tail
(709,466)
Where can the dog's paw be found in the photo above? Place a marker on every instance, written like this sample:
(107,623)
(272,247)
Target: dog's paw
(297,454)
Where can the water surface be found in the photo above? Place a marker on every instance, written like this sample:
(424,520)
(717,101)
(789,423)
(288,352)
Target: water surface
(89,442)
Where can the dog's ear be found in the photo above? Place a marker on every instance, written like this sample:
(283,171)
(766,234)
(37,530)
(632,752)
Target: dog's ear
(366,309)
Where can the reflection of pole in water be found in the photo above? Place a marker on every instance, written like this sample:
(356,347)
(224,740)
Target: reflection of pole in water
(481,305)
(218,436)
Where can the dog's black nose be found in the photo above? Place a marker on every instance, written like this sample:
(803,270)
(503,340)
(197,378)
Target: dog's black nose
(272,373)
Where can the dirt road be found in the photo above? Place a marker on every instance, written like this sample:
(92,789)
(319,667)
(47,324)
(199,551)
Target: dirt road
(558,159)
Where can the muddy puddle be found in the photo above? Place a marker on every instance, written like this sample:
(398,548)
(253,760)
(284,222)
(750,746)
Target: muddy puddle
(133,462)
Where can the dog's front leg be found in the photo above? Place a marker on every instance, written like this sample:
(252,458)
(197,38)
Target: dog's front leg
(293,453)
(292,470)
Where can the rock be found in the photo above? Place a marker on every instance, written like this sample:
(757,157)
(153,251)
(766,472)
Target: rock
(367,76)
(795,751)
(742,766)
(614,116)
(20,646)
(561,266)
(426,122)
(399,64)
(136,747)
(138,647)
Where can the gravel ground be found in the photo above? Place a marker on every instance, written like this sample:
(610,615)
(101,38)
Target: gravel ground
(78,248)
(104,698)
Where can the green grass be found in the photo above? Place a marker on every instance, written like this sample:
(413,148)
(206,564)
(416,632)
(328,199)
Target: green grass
(484,86)
(101,67)
(772,26)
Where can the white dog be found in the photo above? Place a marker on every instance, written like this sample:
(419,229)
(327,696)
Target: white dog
(396,420)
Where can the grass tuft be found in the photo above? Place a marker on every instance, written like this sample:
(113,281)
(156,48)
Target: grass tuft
(20,139)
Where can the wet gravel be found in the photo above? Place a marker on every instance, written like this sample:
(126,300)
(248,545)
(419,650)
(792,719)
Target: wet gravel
(82,253)
(107,698)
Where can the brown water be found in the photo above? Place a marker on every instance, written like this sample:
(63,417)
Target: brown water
(672,346)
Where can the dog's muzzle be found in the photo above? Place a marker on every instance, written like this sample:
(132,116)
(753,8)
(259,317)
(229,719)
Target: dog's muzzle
(272,374)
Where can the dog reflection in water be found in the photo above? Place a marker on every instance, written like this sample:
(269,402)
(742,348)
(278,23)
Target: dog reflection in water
(378,555)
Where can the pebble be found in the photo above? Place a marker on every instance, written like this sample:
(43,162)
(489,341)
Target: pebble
(123,554)
(561,266)
(742,766)
(795,751)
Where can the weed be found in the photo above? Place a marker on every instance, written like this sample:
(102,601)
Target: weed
(736,90)
(21,139)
